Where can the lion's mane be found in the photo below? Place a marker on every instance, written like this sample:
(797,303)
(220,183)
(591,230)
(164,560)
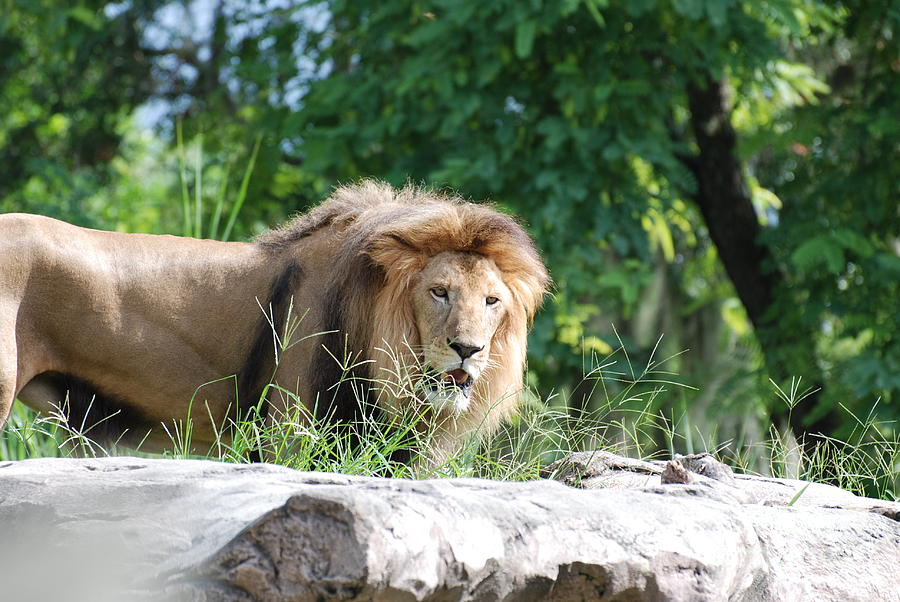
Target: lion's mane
(387,236)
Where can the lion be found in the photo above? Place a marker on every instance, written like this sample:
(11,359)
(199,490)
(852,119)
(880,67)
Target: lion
(134,331)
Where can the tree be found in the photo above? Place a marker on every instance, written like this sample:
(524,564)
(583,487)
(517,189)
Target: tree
(73,80)
(69,77)
(834,164)
(594,121)
(670,156)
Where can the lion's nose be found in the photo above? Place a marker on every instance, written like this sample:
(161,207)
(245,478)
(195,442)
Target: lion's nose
(464,351)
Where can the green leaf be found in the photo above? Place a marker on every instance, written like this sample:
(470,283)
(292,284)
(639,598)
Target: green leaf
(660,234)
(525,31)
(593,7)
(692,9)
(602,92)
(85,17)
(818,250)
(636,8)
(798,494)
(853,241)
(567,7)
(785,11)
(889,262)
(624,280)
(717,11)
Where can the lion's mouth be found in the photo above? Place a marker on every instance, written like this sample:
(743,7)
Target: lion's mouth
(458,378)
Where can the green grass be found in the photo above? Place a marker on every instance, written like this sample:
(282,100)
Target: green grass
(545,430)
(193,215)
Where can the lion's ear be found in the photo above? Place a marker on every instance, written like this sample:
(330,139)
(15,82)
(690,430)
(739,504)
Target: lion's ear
(395,255)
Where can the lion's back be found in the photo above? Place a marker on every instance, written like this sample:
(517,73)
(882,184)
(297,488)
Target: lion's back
(30,241)
(18,229)
(20,232)
(23,239)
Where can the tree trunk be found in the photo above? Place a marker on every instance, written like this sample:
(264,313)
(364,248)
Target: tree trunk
(725,202)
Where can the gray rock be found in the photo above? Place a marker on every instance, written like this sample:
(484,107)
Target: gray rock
(122,529)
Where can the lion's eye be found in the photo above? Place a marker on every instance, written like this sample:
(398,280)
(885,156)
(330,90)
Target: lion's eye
(491,300)
(439,292)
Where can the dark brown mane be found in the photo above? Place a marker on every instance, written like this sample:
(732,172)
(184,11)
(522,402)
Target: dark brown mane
(259,365)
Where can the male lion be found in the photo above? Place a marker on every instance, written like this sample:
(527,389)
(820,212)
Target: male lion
(128,326)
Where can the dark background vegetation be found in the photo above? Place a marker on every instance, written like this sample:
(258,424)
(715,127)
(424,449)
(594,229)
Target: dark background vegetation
(722,174)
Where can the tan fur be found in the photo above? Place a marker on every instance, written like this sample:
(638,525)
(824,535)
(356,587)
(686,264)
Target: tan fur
(146,320)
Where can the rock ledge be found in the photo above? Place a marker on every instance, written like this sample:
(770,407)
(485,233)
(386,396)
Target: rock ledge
(122,529)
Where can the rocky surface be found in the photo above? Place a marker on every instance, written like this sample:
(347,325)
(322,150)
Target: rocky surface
(123,529)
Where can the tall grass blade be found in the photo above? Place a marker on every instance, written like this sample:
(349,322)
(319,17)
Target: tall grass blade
(182,172)
(242,192)
(220,205)
(198,189)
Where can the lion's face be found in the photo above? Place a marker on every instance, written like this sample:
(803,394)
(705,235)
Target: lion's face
(459,301)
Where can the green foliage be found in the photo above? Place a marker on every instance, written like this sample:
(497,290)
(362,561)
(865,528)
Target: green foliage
(572,115)
(833,162)
(26,436)
(193,209)
(70,76)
